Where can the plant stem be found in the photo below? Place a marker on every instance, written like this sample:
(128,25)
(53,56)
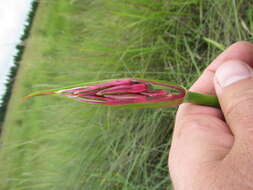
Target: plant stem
(202,99)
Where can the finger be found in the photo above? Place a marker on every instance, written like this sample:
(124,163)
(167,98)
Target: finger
(234,86)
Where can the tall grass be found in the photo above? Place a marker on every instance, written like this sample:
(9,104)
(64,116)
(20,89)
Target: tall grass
(56,144)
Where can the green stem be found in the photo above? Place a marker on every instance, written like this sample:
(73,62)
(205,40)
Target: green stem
(202,99)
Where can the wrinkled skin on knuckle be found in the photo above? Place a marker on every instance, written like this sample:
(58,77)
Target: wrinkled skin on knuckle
(239,109)
(237,103)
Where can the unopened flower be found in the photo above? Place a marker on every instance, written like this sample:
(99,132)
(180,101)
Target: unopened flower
(131,92)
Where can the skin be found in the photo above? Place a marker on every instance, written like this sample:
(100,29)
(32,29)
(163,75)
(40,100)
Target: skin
(212,149)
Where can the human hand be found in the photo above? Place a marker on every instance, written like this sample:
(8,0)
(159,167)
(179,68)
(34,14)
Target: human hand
(213,149)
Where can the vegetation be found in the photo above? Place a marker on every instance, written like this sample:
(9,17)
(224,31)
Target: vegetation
(57,144)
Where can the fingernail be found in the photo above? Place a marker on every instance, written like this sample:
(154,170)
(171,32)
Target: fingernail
(231,72)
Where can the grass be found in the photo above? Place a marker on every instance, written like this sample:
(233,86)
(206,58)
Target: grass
(57,144)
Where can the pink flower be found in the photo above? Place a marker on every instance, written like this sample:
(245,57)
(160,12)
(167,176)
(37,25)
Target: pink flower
(128,91)
(133,92)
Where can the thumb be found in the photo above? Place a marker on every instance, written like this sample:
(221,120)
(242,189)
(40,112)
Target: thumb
(233,83)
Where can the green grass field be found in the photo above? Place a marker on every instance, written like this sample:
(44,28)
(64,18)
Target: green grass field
(49,143)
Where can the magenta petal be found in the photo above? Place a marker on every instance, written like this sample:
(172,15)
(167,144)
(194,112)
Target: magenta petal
(98,86)
(125,99)
(155,93)
(123,89)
